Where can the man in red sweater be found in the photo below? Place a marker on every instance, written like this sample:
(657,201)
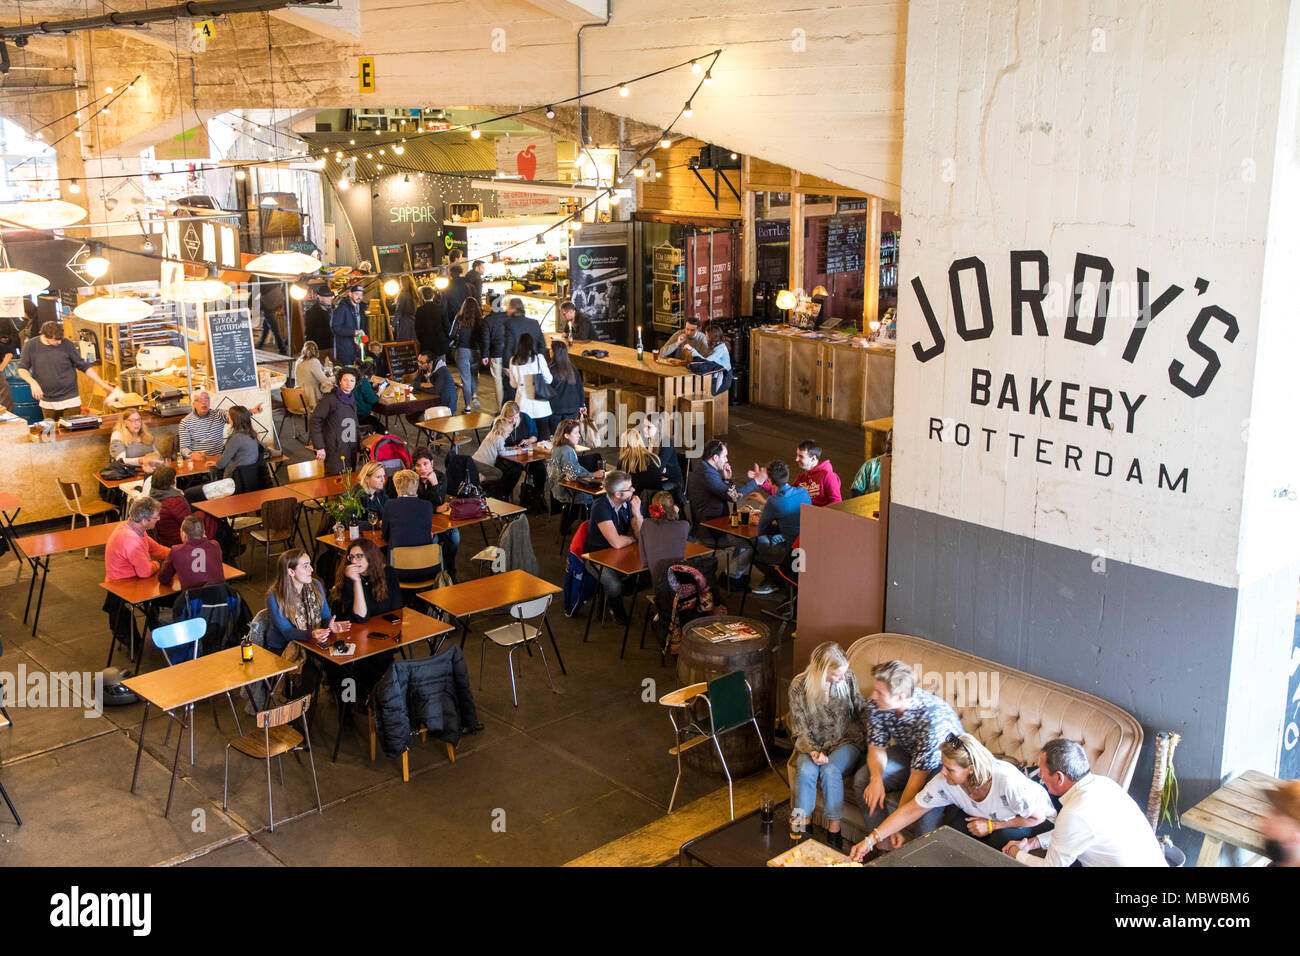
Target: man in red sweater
(196,561)
(130,552)
(817,478)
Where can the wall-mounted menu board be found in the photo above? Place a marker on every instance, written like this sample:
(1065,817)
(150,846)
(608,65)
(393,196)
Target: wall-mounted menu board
(846,244)
(230,339)
(422,256)
(401,358)
(391,258)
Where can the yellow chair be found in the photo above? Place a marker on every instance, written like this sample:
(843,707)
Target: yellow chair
(418,558)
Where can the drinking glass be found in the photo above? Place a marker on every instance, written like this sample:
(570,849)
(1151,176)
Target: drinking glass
(767,809)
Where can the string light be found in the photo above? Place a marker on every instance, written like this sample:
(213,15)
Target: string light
(74,186)
(96,265)
(695,67)
(550,112)
(708,78)
(108,89)
(638,172)
(343,184)
(392,287)
(665,143)
(624,91)
(297,292)
(240,174)
(687,111)
(474,132)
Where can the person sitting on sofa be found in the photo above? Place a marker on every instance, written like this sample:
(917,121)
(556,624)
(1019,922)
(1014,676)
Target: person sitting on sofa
(825,719)
(1099,824)
(916,722)
(989,798)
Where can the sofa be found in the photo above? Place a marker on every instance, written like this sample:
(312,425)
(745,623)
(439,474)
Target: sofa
(1010,712)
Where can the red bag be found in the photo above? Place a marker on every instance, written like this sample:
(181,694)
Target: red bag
(464,509)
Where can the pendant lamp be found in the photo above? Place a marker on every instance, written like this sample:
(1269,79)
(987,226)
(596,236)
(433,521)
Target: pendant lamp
(16,282)
(42,213)
(207,289)
(283,264)
(114,309)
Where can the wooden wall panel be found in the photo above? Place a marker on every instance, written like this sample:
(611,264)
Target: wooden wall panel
(679,192)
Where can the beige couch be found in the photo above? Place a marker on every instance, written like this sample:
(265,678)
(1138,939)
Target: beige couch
(1010,712)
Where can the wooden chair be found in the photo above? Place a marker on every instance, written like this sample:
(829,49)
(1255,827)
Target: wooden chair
(418,558)
(71,494)
(278,517)
(729,701)
(277,738)
(295,405)
(516,635)
(406,754)
(301,471)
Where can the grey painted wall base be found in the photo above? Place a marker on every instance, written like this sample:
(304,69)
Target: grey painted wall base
(1158,645)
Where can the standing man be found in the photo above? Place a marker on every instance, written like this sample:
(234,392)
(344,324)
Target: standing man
(475,279)
(582,327)
(334,428)
(1098,825)
(615,523)
(688,334)
(49,364)
(907,727)
(430,325)
(204,430)
(454,296)
(496,332)
(316,320)
(519,324)
(349,318)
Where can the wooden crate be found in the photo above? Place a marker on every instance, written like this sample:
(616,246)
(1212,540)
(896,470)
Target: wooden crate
(598,399)
(688,411)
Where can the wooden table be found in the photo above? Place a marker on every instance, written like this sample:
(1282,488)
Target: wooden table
(866,506)
(441,523)
(468,598)
(1232,815)
(327,486)
(39,548)
(451,424)
(669,381)
(176,687)
(139,591)
(878,430)
(627,562)
(234,505)
(371,637)
(748,531)
(188,468)
(593,489)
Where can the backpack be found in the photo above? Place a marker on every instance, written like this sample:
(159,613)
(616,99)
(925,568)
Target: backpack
(692,598)
(390,450)
(223,608)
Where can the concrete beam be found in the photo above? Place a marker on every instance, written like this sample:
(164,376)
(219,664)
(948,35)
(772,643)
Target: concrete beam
(575,11)
(341,26)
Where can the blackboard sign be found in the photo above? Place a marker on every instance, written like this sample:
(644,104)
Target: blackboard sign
(391,259)
(230,340)
(401,358)
(846,244)
(422,256)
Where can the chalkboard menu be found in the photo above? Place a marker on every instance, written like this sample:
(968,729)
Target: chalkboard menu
(230,339)
(401,358)
(390,259)
(846,244)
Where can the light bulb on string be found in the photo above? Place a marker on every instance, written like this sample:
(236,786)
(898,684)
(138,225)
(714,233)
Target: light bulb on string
(695,67)
(297,292)
(74,186)
(108,89)
(96,265)
(665,143)
(392,287)
(240,174)
(550,112)
(708,78)
(344,184)
(687,111)
(623,90)
(638,172)
(474,132)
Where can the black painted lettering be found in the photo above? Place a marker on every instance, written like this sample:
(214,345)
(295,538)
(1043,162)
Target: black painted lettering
(1212,364)
(1032,296)
(1146,313)
(1008,394)
(955,270)
(1134,471)
(1130,408)
(925,354)
(1096,465)
(979,386)
(1015,445)
(957,433)
(1172,485)
(936,428)
(1038,396)
(1083,264)
(988,438)
(1067,402)
(1095,406)
(1043,445)
(1073,453)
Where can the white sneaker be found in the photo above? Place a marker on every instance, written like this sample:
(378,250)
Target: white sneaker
(764,588)
(474,401)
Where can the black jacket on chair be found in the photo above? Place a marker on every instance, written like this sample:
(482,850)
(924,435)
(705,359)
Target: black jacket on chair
(433,691)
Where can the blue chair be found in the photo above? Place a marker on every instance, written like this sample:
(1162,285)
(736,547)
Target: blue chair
(179,642)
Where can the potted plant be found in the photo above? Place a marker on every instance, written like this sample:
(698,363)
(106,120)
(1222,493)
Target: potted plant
(1162,801)
(347,508)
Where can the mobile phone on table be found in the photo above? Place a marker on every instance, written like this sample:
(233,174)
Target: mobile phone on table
(393,618)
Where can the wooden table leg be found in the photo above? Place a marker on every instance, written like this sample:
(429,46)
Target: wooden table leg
(1209,852)
(176,759)
(140,748)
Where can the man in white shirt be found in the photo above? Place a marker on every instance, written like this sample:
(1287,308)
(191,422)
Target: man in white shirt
(1099,824)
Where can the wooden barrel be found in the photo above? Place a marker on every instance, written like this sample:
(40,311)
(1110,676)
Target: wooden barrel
(701,659)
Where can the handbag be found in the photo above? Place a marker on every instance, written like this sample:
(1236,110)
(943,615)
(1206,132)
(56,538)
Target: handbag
(120,470)
(542,390)
(469,502)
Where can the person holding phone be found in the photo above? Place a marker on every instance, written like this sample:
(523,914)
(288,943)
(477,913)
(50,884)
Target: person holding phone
(366,586)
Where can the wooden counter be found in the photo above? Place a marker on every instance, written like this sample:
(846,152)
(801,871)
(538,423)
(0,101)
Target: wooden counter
(820,377)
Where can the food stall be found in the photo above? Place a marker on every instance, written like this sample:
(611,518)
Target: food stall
(534,271)
(843,376)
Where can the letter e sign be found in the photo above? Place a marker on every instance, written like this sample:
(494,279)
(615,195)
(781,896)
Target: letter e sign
(366,74)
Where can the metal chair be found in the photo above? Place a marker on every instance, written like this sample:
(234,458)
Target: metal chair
(180,642)
(516,635)
(70,491)
(451,441)
(730,703)
(275,740)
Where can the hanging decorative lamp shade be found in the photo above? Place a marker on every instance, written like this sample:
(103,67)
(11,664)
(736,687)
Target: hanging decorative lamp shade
(16,282)
(114,309)
(283,265)
(207,289)
(42,213)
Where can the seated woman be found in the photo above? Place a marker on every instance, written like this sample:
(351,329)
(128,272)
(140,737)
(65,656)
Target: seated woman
(242,445)
(826,721)
(372,479)
(366,587)
(662,539)
(652,432)
(309,375)
(173,507)
(296,604)
(366,398)
(487,457)
(408,523)
(989,798)
(647,471)
(563,465)
(131,443)
(719,357)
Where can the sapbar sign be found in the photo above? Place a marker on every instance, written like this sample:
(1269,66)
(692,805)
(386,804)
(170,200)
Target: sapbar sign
(1085,399)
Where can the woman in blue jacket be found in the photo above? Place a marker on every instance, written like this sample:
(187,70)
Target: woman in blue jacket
(296,604)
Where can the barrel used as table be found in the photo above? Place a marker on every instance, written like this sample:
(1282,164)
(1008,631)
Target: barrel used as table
(701,659)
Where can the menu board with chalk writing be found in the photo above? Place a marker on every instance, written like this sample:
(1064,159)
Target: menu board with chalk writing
(401,358)
(846,244)
(230,339)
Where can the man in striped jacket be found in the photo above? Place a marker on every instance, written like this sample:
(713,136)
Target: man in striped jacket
(204,430)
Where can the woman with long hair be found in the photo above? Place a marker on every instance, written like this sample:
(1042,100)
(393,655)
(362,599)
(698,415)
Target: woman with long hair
(989,798)
(296,604)
(365,584)
(563,465)
(640,462)
(242,446)
(826,720)
(469,332)
(526,367)
(131,442)
(567,397)
(402,323)
(487,457)
(309,375)
(662,540)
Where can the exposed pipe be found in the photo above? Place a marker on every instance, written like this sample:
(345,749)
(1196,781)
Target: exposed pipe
(582,113)
(199,9)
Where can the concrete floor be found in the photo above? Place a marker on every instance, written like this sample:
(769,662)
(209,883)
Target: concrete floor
(542,784)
